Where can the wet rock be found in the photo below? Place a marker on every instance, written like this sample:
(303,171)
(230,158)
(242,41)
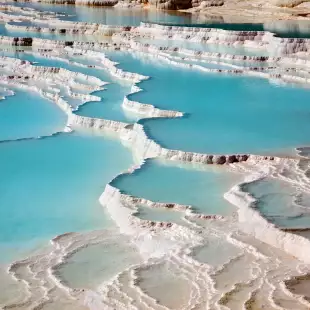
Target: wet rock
(126,28)
(219,160)
(171,4)
(243,158)
(210,159)
(206,4)
(232,159)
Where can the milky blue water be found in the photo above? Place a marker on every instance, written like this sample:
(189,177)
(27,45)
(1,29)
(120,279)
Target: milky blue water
(160,214)
(100,262)
(281,203)
(224,113)
(51,186)
(163,182)
(26,115)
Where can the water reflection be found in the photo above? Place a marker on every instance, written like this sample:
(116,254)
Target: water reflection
(109,15)
(133,17)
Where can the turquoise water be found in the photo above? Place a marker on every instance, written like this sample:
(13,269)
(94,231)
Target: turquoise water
(163,182)
(27,115)
(224,114)
(51,186)
(281,203)
(109,107)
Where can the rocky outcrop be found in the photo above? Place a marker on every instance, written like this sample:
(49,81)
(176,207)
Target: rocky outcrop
(225,10)
(206,3)
(289,3)
(171,4)
(82,2)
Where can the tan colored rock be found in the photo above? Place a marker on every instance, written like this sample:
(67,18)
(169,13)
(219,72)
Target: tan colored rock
(207,4)
(219,159)
(171,4)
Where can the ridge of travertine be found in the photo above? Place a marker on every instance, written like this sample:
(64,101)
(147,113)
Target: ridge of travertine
(134,135)
(143,147)
(274,72)
(253,39)
(253,223)
(250,219)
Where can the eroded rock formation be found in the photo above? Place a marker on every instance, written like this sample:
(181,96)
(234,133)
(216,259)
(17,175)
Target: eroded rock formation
(218,10)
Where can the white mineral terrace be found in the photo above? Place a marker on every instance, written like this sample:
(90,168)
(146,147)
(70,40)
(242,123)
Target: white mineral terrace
(251,220)
(253,39)
(58,84)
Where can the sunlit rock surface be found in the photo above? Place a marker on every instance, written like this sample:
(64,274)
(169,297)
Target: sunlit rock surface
(219,10)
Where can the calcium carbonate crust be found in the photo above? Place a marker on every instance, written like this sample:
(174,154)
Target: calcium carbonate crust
(122,207)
